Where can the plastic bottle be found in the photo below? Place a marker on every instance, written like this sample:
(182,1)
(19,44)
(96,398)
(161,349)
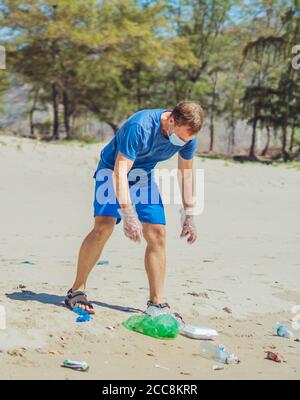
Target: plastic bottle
(77,365)
(155,312)
(282,331)
(217,353)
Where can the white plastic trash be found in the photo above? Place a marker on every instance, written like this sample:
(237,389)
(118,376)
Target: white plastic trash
(198,332)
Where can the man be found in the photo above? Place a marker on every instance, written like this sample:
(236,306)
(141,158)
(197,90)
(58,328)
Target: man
(147,137)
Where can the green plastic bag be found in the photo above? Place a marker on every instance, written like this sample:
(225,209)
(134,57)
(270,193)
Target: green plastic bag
(161,327)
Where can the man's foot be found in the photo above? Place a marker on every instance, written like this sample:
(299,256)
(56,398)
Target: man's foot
(163,308)
(79,299)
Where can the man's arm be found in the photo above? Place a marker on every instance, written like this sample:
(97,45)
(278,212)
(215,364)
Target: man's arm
(187,188)
(120,177)
(132,226)
(186,182)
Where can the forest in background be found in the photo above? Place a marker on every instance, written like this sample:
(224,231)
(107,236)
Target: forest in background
(111,58)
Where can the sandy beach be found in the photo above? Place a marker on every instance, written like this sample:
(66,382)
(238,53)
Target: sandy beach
(247,258)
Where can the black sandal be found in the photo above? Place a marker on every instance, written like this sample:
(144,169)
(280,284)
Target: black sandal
(72,304)
(161,305)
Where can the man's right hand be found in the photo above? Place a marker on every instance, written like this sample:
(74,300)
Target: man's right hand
(132,227)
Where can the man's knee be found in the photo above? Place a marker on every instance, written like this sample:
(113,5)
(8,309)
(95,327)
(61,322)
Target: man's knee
(155,235)
(103,227)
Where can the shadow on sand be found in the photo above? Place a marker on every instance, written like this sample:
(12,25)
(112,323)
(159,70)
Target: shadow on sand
(46,298)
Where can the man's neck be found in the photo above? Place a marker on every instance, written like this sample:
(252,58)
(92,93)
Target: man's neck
(164,122)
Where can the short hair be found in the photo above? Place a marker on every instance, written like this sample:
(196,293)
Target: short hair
(190,114)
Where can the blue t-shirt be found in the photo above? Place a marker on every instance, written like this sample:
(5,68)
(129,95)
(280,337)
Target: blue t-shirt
(141,140)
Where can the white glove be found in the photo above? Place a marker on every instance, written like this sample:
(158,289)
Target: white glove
(131,225)
(188,226)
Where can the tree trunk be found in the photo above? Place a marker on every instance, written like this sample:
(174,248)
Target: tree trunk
(231,139)
(212,110)
(287,99)
(253,141)
(212,131)
(73,121)
(33,108)
(32,135)
(55,104)
(113,125)
(265,150)
(67,116)
(292,137)
(285,154)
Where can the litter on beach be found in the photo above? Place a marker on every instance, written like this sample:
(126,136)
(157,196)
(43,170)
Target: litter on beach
(218,353)
(270,355)
(103,262)
(26,262)
(77,365)
(218,367)
(198,332)
(163,326)
(83,316)
(160,366)
(282,331)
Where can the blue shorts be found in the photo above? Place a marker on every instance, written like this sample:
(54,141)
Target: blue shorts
(144,194)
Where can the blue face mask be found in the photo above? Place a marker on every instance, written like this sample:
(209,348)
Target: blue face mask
(174,139)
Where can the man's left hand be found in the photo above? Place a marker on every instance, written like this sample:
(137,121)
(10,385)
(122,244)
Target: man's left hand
(188,228)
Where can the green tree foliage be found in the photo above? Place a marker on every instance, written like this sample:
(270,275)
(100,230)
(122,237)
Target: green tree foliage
(274,89)
(113,57)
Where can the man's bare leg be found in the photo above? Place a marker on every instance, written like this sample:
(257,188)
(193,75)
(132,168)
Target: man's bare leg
(91,250)
(155,260)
